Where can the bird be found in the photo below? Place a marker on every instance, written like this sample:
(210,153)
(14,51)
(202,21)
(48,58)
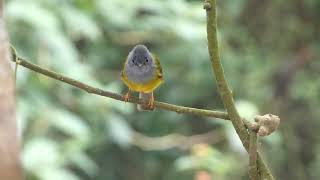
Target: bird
(142,73)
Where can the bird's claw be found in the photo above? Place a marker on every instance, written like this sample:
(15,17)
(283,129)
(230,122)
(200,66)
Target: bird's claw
(150,104)
(126,97)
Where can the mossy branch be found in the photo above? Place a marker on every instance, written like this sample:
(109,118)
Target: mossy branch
(223,87)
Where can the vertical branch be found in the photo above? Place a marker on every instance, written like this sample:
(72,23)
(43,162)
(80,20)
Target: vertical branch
(223,87)
(253,170)
(9,144)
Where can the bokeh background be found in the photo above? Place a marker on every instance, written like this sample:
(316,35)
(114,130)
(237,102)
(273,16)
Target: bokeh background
(270,52)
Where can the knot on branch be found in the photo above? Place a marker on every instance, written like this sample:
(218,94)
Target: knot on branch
(265,125)
(207,5)
(13,52)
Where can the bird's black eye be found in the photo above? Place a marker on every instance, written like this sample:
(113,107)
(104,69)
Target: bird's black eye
(133,59)
(146,59)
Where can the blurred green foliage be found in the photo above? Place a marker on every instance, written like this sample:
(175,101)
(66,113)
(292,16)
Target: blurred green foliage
(270,51)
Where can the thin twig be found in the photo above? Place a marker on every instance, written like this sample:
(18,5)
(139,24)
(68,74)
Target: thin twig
(97,91)
(253,170)
(223,87)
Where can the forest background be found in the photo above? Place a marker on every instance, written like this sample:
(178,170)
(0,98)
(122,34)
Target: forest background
(270,52)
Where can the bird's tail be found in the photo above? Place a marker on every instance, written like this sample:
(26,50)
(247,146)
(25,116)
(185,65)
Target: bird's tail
(146,97)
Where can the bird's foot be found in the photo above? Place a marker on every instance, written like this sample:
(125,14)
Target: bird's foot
(150,104)
(127,97)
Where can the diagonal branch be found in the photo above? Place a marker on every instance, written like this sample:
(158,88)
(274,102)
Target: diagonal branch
(100,92)
(253,171)
(223,87)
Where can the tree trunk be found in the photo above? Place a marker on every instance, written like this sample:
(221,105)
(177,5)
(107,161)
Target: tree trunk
(10,168)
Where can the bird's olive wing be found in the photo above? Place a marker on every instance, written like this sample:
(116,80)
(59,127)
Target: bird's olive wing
(123,68)
(158,66)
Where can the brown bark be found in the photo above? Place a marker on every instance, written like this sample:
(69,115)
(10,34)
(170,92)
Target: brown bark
(10,168)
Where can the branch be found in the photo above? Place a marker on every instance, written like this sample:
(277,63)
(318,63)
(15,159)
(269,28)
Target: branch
(174,140)
(253,170)
(223,87)
(100,92)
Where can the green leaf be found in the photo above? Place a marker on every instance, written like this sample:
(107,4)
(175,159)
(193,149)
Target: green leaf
(41,153)
(84,162)
(70,124)
(37,16)
(79,24)
(120,131)
(247,109)
(55,174)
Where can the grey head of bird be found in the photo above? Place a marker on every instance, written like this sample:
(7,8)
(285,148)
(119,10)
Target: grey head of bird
(140,67)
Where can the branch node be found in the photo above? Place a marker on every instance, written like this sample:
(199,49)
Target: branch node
(267,124)
(253,126)
(18,61)
(207,6)
(14,57)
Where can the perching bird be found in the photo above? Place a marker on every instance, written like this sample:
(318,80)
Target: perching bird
(142,73)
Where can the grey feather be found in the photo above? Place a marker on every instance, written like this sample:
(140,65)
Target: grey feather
(141,66)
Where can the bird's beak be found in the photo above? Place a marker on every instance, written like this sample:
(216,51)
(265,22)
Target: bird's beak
(140,65)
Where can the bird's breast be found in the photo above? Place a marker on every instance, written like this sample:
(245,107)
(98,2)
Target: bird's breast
(140,75)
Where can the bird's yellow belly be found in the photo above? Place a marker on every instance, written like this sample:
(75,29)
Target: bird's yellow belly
(145,87)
